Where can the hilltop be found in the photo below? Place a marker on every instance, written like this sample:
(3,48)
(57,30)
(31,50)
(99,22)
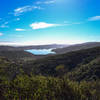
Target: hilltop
(76,47)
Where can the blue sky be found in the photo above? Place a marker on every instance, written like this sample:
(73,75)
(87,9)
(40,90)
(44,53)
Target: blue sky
(31,22)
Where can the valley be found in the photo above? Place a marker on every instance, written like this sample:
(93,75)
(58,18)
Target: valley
(42,77)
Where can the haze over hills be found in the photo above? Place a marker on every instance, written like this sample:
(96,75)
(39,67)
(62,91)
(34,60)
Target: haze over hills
(20,53)
(58,48)
(32,47)
(50,46)
(77,47)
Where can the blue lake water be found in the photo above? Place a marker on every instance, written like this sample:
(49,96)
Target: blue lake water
(41,51)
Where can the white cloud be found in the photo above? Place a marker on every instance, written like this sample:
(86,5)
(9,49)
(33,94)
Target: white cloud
(1,34)
(94,18)
(41,25)
(50,2)
(24,9)
(19,29)
(46,2)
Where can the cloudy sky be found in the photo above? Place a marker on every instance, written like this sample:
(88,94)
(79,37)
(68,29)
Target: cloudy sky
(26,22)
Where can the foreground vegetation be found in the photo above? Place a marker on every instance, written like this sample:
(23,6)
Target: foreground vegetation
(25,87)
(70,76)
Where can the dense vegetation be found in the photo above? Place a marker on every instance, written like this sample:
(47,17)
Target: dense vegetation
(24,87)
(69,62)
(70,76)
(90,71)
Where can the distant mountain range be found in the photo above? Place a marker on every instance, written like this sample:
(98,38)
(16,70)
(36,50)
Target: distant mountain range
(77,47)
(32,47)
(19,53)
(58,48)
(43,46)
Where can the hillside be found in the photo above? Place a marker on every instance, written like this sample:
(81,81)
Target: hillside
(59,65)
(19,56)
(8,69)
(18,53)
(69,76)
(7,48)
(56,65)
(77,47)
(90,71)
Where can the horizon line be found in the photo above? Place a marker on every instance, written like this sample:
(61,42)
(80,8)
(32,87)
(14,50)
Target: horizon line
(32,44)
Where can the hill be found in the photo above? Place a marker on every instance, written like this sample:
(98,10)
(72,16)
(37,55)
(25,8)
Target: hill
(7,48)
(77,47)
(42,46)
(13,48)
(59,65)
(70,76)
(19,56)
(90,71)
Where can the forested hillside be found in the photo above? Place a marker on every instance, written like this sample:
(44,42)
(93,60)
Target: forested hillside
(51,66)
(69,76)
(19,55)
(89,71)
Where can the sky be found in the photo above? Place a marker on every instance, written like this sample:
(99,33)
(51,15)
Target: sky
(37,22)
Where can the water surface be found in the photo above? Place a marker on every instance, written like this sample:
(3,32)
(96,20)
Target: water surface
(41,51)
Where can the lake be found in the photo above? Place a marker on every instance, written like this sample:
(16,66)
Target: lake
(41,51)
